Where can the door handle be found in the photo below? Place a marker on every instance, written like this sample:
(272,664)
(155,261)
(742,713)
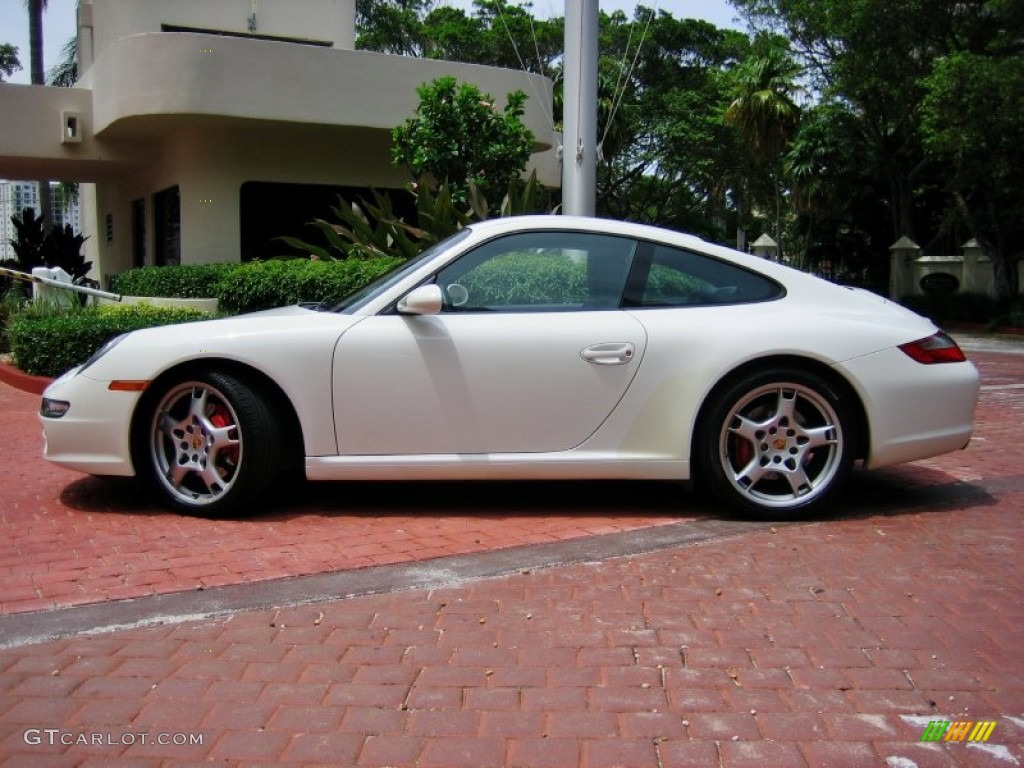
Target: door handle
(609,353)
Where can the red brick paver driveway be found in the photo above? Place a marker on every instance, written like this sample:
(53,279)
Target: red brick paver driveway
(70,539)
(832,643)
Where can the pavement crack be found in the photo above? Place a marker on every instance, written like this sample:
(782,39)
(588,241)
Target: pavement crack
(404,706)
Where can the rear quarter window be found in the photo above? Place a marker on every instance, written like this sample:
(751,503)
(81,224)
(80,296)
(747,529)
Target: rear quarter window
(681,278)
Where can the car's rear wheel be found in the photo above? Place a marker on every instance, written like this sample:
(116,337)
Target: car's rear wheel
(775,444)
(211,444)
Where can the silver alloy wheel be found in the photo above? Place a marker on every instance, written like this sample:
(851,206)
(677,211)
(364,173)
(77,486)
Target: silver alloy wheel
(781,445)
(196,443)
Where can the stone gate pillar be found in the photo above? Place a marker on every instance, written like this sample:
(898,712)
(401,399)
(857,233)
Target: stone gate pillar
(903,253)
(978,274)
(766,248)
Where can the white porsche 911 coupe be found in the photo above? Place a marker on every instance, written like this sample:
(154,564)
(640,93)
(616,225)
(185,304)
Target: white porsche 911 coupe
(537,347)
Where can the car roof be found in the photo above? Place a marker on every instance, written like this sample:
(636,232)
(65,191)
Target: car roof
(584,223)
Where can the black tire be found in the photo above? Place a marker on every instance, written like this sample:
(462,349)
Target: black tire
(209,445)
(775,444)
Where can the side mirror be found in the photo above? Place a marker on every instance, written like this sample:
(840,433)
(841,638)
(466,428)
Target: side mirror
(425,300)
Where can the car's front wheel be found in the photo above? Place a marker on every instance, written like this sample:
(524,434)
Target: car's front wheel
(775,444)
(210,444)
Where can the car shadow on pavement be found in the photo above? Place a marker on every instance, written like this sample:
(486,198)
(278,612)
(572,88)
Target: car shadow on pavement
(906,489)
(499,498)
(892,491)
(439,497)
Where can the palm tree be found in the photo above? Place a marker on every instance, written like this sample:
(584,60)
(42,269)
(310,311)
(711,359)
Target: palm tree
(37,73)
(765,113)
(64,73)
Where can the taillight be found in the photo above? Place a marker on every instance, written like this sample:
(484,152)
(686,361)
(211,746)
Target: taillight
(939,348)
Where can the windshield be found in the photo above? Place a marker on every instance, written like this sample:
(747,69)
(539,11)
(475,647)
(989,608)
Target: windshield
(358,299)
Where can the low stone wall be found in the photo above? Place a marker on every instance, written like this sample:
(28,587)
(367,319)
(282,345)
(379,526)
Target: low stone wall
(912,274)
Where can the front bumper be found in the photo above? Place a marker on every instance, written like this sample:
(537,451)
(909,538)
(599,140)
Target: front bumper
(94,436)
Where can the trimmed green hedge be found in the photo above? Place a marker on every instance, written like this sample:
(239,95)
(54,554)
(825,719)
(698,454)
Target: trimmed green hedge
(269,284)
(255,285)
(526,279)
(189,281)
(47,343)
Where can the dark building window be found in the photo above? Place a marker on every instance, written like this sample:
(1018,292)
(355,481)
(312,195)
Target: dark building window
(270,210)
(139,233)
(167,226)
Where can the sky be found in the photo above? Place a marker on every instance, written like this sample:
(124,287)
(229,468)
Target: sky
(59,21)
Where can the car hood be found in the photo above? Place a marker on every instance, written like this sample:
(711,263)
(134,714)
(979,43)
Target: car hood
(263,340)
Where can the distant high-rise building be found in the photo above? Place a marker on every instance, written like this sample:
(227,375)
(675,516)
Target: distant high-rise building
(16,196)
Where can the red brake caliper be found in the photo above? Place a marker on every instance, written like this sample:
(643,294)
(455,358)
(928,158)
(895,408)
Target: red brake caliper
(220,418)
(741,450)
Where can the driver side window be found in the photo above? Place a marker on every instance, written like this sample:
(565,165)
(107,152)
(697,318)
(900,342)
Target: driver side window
(539,272)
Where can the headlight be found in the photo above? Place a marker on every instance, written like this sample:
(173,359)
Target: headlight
(53,409)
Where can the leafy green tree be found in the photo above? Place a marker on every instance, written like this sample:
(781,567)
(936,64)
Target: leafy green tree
(904,67)
(391,26)
(974,125)
(669,158)
(496,33)
(9,63)
(836,204)
(457,134)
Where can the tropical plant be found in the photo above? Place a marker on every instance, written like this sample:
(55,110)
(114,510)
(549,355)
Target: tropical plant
(62,248)
(765,114)
(34,247)
(369,230)
(64,73)
(29,242)
(364,230)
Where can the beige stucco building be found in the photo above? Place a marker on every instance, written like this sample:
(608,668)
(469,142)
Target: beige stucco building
(205,129)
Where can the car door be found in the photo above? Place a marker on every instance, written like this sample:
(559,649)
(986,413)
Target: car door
(530,353)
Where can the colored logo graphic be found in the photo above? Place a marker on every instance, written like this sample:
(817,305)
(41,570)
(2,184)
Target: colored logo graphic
(961,730)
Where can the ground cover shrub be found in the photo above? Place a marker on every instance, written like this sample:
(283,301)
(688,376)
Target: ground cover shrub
(10,302)
(46,341)
(974,308)
(1013,317)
